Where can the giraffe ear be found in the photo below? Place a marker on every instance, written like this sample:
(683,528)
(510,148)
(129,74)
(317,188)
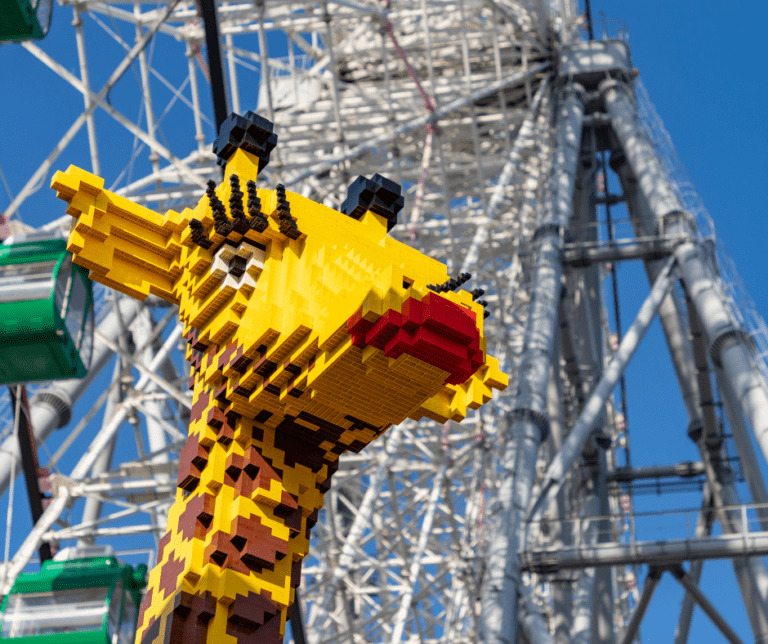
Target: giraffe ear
(134,249)
(377,194)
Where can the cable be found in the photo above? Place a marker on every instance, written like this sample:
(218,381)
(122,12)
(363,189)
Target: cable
(588,13)
(616,312)
(9,514)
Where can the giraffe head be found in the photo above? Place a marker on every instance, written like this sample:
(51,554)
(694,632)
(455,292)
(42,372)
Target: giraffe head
(291,307)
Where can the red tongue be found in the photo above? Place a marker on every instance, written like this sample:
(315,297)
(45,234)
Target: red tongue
(435,331)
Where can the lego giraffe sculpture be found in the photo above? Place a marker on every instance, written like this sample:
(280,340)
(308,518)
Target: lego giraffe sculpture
(309,334)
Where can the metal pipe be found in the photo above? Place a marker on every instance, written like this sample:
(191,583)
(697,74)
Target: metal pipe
(728,346)
(687,469)
(582,428)
(85,79)
(146,92)
(51,408)
(498,619)
(671,311)
(82,469)
(92,509)
(362,519)
(584,591)
(531,621)
(604,631)
(42,171)
(416,562)
(523,138)
(562,596)
(651,582)
(334,72)
(749,464)
(264,58)
(705,604)
(651,553)
(703,529)
(581,255)
(199,136)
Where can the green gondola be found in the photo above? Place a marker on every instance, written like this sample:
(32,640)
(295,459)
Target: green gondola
(81,601)
(25,19)
(46,313)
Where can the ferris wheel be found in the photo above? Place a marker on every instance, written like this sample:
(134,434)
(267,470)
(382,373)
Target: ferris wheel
(458,102)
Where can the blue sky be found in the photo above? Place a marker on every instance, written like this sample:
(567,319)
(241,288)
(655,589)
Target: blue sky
(703,64)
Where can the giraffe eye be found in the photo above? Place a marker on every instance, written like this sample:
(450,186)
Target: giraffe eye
(244,259)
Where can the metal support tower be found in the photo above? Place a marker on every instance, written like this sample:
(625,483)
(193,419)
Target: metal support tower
(501,122)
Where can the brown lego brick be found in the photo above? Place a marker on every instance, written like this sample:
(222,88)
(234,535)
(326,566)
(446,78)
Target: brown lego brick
(296,574)
(199,406)
(227,354)
(268,633)
(233,468)
(248,613)
(152,631)
(288,503)
(145,604)
(216,418)
(192,461)
(197,516)
(224,554)
(258,469)
(161,545)
(258,548)
(169,575)
(188,622)
(293,521)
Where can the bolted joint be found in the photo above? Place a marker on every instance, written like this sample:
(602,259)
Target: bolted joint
(540,420)
(573,91)
(545,230)
(695,430)
(680,221)
(58,401)
(611,84)
(725,340)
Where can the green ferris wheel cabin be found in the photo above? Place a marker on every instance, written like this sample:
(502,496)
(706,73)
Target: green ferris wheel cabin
(46,313)
(24,19)
(91,600)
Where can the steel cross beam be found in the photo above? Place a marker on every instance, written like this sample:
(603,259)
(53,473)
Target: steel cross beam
(573,445)
(654,553)
(42,171)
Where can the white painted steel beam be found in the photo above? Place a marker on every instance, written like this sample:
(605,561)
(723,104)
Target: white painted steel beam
(584,425)
(529,421)
(511,168)
(727,342)
(42,171)
(653,553)
(651,582)
(82,469)
(706,605)
(45,410)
